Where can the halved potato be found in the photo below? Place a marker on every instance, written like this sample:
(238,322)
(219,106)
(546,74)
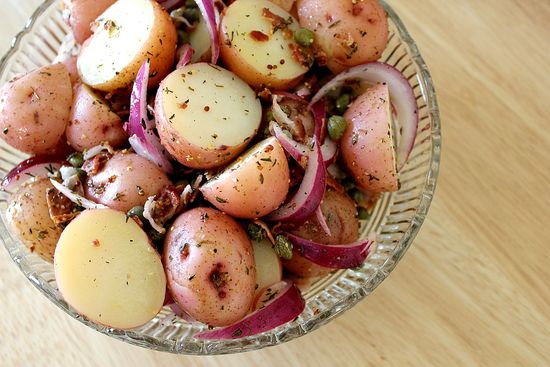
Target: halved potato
(269,269)
(206,115)
(367,145)
(128,33)
(107,269)
(257,44)
(254,185)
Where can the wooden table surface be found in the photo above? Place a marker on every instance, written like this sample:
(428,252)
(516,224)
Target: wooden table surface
(473,290)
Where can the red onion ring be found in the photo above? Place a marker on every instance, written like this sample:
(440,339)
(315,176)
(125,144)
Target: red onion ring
(38,166)
(208,11)
(322,221)
(401,94)
(285,306)
(140,128)
(170,5)
(75,198)
(186,53)
(309,194)
(332,256)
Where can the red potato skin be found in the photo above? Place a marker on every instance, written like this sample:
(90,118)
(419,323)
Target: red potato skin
(341,216)
(126,180)
(366,146)
(82,14)
(35,108)
(92,122)
(349,32)
(202,246)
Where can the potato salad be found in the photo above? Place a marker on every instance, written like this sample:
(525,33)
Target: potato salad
(204,155)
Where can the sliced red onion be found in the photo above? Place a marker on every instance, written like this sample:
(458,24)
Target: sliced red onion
(401,94)
(284,306)
(92,152)
(208,11)
(38,166)
(298,150)
(140,128)
(186,52)
(75,198)
(289,95)
(321,220)
(319,114)
(170,5)
(332,256)
(309,194)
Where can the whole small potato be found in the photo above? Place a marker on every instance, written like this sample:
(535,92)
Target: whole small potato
(126,180)
(209,265)
(82,14)
(367,145)
(92,122)
(349,32)
(254,185)
(127,34)
(29,218)
(34,109)
(341,217)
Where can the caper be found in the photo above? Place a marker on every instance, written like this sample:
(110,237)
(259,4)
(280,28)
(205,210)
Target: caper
(76,159)
(363,213)
(357,196)
(336,127)
(255,232)
(342,102)
(283,247)
(81,173)
(191,14)
(304,37)
(136,211)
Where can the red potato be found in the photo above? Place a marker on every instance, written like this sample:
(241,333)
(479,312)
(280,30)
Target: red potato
(269,268)
(367,146)
(254,185)
(92,122)
(210,268)
(29,218)
(348,32)
(284,4)
(127,34)
(82,14)
(34,109)
(206,115)
(341,217)
(261,49)
(126,180)
(107,269)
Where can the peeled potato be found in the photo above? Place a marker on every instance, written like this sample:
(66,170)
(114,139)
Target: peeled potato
(367,145)
(128,33)
(206,115)
(254,185)
(34,109)
(254,49)
(106,268)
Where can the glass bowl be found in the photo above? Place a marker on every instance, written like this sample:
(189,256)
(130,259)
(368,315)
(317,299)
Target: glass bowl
(396,218)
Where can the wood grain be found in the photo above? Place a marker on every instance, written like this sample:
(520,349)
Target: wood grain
(474,288)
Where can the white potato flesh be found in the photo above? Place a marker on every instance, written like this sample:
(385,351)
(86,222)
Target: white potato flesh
(106,268)
(206,115)
(128,33)
(269,268)
(254,185)
(260,60)
(199,39)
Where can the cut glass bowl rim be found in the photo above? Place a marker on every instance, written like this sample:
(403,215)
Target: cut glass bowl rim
(344,304)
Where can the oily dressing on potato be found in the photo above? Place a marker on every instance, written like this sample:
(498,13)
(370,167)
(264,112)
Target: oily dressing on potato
(257,44)
(107,269)
(210,266)
(206,115)
(126,34)
(35,108)
(254,185)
